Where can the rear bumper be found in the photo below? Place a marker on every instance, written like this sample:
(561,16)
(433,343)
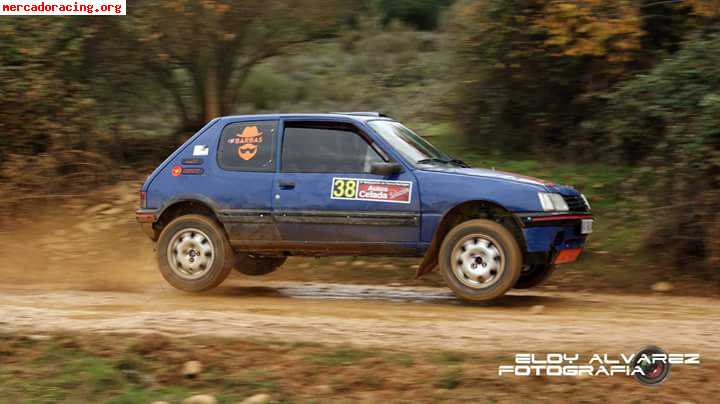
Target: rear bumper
(553,238)
(146,218)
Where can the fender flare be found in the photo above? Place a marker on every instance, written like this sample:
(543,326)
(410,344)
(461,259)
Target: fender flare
(197,198)
(430,259)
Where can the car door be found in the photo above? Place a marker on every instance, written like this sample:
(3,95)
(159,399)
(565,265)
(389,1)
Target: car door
(327,199)
(246,159)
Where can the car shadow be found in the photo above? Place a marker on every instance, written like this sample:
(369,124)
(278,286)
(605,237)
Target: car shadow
(436,296)
(247,291)
(523,301)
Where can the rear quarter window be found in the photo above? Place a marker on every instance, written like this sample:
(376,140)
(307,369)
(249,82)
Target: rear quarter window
(248,146)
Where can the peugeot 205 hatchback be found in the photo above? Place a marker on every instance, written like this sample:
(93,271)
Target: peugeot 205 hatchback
(246,192)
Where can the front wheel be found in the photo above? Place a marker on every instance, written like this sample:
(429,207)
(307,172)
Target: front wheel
(194,254)
(534,275)
(480,260)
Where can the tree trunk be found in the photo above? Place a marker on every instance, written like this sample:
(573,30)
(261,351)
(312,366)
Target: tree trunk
(212,96)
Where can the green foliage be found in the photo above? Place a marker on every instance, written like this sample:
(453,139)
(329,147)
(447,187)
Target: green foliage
(533,72)
(342,357)
(450,378)
(371,68)
(198,54)
(400,359)
(422,14)
(505,84)
(530,70)
(40,111)
(48,124)
(448,357)
(671,115)
(265,88)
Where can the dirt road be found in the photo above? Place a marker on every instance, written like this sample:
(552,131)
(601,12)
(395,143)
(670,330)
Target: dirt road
(396,317)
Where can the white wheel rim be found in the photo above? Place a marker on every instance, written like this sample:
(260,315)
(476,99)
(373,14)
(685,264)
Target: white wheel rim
(190,253)
(478,261)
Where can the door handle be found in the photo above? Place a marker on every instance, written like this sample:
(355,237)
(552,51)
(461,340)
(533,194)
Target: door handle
(286,184)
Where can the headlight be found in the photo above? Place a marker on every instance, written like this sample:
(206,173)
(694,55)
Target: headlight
(587,203)
(552,202)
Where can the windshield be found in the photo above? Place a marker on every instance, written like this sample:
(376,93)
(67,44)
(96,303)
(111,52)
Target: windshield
(413,148)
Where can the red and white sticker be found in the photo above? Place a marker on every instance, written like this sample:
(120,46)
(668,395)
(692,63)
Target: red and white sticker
(358,189)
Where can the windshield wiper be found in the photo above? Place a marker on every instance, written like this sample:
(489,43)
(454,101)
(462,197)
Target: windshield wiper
(432,160)
(460,163)
(443,161)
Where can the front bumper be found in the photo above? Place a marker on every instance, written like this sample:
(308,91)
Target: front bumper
(553,238)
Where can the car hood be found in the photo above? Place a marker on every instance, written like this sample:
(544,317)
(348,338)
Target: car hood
(507,176)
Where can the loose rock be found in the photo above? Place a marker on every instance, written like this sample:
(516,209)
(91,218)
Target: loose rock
(662,287)
(537,309)
(127,198)
(39,338)
(322,389)
(112,211)
(104,226)
(85,227)
(257,399)
(200,399)
(98,208)
(192,368)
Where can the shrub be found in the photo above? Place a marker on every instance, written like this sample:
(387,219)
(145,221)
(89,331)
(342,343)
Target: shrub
(669,119)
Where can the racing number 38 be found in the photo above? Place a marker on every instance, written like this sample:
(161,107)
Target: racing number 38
(344,188)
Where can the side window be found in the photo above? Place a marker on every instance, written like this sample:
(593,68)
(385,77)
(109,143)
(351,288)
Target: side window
(325,150)
(248,146)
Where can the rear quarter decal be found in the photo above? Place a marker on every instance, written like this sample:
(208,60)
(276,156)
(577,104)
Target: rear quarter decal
(359,189)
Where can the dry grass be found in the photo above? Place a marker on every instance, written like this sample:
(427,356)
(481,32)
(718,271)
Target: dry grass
(122,369)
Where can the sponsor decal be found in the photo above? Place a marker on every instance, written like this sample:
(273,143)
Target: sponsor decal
(192,162)
(201,150)
(358,189)
(248,142)
(177,171)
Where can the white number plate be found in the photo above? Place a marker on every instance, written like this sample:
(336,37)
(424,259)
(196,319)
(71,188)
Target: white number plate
(586,226)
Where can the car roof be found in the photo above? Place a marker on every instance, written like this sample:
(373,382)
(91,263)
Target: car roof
(345,116)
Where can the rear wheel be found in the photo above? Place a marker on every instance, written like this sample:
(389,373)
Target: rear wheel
(480,260)
(253,265)
(194,254)
(534,275)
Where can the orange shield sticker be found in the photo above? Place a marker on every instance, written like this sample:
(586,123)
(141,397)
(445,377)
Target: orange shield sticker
(248,142)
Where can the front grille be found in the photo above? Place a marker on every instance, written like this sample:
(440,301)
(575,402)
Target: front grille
(575,203)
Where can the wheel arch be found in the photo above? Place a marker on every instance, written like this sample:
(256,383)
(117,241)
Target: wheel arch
(184,206)
(473,209)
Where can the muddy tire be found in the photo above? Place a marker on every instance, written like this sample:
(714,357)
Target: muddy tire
(480,260)
(534,275)
(252,265)
(194,254)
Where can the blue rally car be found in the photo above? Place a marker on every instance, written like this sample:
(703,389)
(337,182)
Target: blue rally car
(246,192)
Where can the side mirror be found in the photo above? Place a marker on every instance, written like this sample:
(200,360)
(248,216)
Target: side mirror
(385,169)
